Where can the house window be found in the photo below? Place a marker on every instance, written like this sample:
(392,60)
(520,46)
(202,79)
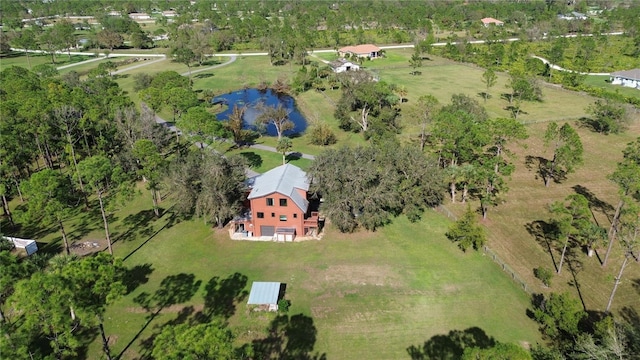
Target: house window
(273,214)
(295,216)
(283,217)
(269,201)
(283,202)
(260,215)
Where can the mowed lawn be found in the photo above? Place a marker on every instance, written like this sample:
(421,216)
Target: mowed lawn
(19,59)
(603,82)
(443,78)
(369,295)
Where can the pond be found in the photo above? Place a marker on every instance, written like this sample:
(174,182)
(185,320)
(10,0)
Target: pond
(251,99)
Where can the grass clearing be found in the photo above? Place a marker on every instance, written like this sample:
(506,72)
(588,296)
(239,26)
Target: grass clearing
(246,71)
(528,201)
(603,82)
(19,59)
(444,78)
(369,295)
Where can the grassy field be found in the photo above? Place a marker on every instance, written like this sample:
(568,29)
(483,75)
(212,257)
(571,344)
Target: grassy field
(18,59)
(365,295)
(368,295)
(443,78)
(528,201)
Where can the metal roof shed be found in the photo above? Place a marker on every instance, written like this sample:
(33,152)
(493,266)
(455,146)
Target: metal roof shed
(264,295)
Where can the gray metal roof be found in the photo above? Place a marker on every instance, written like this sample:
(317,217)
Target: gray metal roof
(628,74)
(264,293)
(284,179)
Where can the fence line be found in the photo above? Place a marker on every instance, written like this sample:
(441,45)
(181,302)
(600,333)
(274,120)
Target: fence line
(505,267)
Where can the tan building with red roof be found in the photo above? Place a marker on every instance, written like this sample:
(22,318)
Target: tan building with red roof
(491,21)
(366,50)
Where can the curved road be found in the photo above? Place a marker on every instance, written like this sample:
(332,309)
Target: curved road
(232,59)
(556,67)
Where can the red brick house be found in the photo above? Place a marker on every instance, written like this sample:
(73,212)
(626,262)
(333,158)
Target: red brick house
(278,207)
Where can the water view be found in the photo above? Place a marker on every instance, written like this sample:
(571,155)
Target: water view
(251,99)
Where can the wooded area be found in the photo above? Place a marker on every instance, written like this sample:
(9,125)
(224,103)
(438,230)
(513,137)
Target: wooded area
(76,143)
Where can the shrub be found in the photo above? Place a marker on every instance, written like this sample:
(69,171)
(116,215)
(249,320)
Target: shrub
(141,81)
(466,232)
(321,134)
(283,305)
(544,274)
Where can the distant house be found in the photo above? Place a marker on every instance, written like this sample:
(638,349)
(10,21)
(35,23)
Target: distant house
(365,50)
(574,15)
(578,16)
(139,16)
(278,207)
(491,21)
(342,65)
(628,78)
(114,13)
(169,13)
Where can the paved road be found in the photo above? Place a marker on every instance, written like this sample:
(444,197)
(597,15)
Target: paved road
(80,63)
(138,66)
(232,59)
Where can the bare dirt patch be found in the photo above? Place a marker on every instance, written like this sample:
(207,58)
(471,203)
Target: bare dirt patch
(82,248)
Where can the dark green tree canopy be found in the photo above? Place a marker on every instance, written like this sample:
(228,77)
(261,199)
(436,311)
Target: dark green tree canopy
(368,186)
(466,232)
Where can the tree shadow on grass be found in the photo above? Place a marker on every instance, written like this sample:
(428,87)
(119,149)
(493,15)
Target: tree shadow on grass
(484,95)
(538,164)
(222,295)
(452,345)
(211,62)
(137,225)
(174,289)
(594,201)
(203,75)
(137,276)
(632,318)
(289,338)
(184,315)
(589,124)
(541,167)
(292,156)
(170,222)
(90,220)
(543,232)
(575,266)
(253,160)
